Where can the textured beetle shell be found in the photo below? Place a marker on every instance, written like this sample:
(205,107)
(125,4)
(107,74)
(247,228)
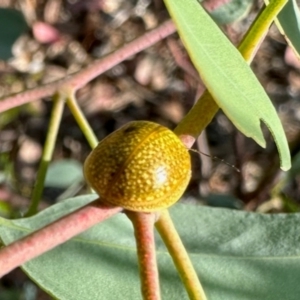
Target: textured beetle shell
(142,166)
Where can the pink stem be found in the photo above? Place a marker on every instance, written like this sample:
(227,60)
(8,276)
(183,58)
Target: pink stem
(143,224)
(98,67)
(53,235)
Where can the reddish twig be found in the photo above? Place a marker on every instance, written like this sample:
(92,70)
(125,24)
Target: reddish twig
(182,59)
(98,67)
(143,224)
(53,235)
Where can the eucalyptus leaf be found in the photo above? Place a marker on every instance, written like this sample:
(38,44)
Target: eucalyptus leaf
(223,200)
(288,22)
(63,173)
(227,76)
(295,170)
(13,25)
(237,255)
(231,11)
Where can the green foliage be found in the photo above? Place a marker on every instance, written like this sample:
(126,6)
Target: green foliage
(13,25)
(237,255)
(289,21)
(223,200)
(5,209)
(227,76)
(64,173)
(231,11)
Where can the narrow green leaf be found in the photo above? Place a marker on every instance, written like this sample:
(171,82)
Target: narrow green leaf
(229,79)
(289,24)
(237,255)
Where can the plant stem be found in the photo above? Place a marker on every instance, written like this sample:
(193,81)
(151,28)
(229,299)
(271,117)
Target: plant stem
(259,28)
(53,235)
(98,67)
(81,120)
(56,115)
(143,224)
(195,120)
(192,124)
(184,266)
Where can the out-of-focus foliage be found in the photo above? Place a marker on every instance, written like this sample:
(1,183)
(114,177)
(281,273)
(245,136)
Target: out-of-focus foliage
(13,25)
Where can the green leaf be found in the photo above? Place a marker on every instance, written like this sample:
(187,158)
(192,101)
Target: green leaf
(237,255)
(63,173)
(227,76)
(223,200)
(289,24)
(295,170)
(13,25)
(231,11)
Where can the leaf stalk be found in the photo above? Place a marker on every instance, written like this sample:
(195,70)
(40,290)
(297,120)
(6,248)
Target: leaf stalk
(180,257)
(55,119)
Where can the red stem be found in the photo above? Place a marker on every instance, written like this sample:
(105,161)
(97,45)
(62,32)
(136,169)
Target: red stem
(98,67)
(53,235)
(143,224)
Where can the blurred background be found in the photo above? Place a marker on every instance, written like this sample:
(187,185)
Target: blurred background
(45,40)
